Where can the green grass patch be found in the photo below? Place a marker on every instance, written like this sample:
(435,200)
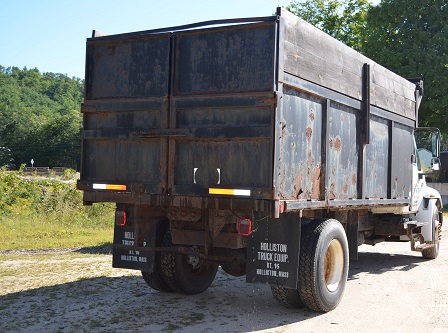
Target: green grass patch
(48,213)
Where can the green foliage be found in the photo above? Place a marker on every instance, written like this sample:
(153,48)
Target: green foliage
(410,38)
(40,118)
(43,213)
(345,20)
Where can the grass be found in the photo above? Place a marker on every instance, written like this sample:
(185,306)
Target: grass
(27,235)
(48,213)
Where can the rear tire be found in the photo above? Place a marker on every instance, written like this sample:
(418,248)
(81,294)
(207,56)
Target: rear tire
(289,298)
(185,273)
(236,267)
(155,279)
(433,252)
(323,264)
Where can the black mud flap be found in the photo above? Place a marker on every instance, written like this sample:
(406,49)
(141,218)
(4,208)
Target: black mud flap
(273,251)
(132,258)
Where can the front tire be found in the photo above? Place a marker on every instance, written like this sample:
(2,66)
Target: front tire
(433,252)
(323,264)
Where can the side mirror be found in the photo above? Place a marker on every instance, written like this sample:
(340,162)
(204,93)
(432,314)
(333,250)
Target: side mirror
(435,143)
(427,141)
(435,164)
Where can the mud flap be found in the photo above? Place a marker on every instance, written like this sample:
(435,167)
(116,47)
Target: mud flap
(132,258)
(273,251)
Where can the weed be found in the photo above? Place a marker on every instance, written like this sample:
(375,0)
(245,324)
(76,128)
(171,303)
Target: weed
(39,213)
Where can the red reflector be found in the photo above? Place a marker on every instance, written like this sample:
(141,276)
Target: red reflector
(244,227)
(174,212)
(282,207)
(183,213)
(120,218)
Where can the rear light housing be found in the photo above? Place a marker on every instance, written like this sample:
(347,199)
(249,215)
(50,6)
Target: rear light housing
(120,218)
(245,227)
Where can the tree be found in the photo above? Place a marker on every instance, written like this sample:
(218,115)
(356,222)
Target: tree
(345,20)
(39,118)
(410,37)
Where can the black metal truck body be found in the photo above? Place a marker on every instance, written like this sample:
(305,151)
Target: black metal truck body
(268,119)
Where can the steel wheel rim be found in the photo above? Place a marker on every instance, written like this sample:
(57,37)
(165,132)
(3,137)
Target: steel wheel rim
(333,265)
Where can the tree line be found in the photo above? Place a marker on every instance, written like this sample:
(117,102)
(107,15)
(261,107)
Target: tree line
(40,115)
(40,118)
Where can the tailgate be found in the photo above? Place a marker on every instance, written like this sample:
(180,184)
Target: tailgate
(188,113)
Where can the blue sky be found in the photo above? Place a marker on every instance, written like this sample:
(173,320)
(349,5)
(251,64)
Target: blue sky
(50,35)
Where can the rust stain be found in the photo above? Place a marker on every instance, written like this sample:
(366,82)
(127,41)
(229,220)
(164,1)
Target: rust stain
(283,181)
(99,55)
(312,117)
(331,143)
(299,184)
(111,50)
(309,133)
(331,194)
(316,183)
(269,101)
(338,144)
(284,129)
(345,188)
(354,179)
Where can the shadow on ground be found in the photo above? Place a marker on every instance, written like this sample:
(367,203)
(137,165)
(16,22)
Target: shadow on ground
(126,304)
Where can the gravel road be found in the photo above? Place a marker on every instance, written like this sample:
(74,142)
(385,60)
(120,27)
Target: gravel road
(390,289)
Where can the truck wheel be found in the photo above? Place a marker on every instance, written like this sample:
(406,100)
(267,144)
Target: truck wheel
(186,274)
(433,252)
(155,279)
(287,297)
(236,267)
(323,264)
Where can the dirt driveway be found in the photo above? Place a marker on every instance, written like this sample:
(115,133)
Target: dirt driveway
(390,289)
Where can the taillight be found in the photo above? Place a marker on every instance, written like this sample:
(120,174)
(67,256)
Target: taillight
(244,227)
(120,218)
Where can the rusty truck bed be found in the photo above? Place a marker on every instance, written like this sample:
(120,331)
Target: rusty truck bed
(251,112)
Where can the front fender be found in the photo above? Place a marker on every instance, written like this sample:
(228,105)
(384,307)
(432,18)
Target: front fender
(431,200)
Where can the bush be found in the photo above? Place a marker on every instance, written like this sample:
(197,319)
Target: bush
(49,199)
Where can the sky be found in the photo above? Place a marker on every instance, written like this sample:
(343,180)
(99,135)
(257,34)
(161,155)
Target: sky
(50,35)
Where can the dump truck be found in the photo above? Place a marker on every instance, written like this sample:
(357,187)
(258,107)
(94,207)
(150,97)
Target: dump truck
(259,145)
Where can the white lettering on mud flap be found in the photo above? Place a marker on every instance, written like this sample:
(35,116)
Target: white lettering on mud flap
(133,256)
(273,254)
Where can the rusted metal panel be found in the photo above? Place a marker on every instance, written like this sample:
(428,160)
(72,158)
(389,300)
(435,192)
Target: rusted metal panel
(230,148)
(300,146)
(225,60)
(402,149)
(342,159)
(110,161)
(230,138)
(128,68)
(377,159)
